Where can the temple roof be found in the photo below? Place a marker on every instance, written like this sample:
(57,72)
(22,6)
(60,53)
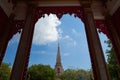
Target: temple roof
(60,2)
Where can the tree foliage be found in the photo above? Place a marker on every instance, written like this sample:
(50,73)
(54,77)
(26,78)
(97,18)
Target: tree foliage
(78,74)
(41,72)
(113,67)
(4,71)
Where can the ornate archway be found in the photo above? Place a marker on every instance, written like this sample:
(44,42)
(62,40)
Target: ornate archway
(85,13)
(27,25)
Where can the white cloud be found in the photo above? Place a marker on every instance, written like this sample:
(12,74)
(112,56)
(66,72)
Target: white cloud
(74,43)
(74,31)
(70,41)
(66,54)
(60,33)
(66,37)
(46,30)
(38,52)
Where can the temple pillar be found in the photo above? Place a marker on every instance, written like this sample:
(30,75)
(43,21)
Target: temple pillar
(97,58)
(5,37)
(113,37)
(23,51)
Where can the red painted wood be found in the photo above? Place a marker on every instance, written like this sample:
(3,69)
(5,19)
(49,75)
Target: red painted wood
(59,11)
(116,20)
(3,21)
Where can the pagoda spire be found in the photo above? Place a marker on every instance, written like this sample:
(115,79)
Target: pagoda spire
(58,67)
(58,59)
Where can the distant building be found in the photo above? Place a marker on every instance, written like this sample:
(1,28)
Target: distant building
(58,67)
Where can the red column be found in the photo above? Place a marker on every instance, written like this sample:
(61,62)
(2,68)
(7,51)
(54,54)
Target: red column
(19,67)
(97,58)
(6,36)
(114,37)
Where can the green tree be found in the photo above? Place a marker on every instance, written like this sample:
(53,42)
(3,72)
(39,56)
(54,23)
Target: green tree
(4,71)
(113,67)
(41,72)
(75,74)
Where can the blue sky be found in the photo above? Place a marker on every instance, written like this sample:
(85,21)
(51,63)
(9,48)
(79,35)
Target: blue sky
(72,38)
